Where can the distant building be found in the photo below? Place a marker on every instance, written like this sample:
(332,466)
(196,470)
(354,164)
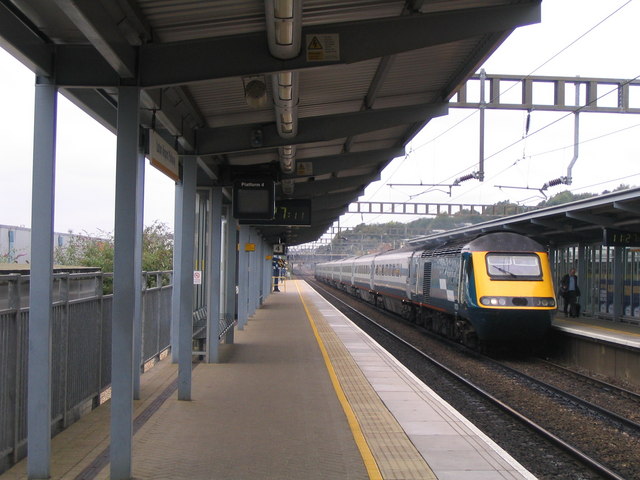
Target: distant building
(15,243)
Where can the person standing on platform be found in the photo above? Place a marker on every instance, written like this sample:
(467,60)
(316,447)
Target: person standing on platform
(276,274)
(570,293)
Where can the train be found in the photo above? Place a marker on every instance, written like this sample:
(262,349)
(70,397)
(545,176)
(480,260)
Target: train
(493,289)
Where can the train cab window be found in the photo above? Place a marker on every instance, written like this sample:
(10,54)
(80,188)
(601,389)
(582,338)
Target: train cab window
(513,266)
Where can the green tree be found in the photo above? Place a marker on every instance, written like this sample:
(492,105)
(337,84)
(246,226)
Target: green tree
(87,251)
(157,247)
(97,250)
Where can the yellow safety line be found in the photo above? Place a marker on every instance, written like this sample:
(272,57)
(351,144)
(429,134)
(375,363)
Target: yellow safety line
(369,461)
(598,327)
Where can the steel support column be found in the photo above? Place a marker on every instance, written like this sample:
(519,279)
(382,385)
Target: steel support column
(40,298)
(260,275)
(618,282)
(582,276)
(253,274)
(243,277)
(185,329)
(124,274)
(137,318)
(177,259)
(214,300)
(268,269)
(231,300)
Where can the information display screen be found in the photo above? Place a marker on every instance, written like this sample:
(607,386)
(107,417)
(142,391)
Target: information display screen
(254,199)
(287,212)
(620,238)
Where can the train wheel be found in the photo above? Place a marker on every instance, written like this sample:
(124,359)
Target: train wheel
(408,312)
(465,334)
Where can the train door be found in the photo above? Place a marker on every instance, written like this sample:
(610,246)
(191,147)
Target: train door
(412,276)
(464,283)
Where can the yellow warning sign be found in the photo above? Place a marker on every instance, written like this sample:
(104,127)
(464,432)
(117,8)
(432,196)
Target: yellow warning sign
(323,47)
(315,44)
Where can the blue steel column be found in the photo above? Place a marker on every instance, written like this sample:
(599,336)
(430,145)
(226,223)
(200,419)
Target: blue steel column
(137,318)
(124,274)
(231,269)
(268,269)
(177,256)
(260,273)
(243,277)
(40,299)
(618,282)
(185,329)
(251,278)
(582,278)
(215,232)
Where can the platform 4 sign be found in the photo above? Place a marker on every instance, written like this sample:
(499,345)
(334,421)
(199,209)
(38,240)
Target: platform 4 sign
(620,238)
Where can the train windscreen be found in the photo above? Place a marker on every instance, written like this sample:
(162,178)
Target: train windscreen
(510,266)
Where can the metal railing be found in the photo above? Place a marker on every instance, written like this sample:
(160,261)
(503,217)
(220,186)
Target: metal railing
(81,355)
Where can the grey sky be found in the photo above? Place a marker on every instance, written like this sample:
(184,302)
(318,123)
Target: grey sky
(86,151)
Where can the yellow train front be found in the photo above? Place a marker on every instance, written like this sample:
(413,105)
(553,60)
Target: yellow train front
(506,289)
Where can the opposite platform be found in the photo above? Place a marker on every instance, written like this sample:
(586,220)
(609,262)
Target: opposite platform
(303,393)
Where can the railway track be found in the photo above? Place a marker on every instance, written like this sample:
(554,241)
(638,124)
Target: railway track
(554,433)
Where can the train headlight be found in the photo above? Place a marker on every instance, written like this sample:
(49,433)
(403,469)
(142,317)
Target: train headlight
(492,301)
(546,302)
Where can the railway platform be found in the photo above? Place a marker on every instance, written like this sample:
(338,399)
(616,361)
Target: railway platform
(598,346)
(626,334)
(302,393)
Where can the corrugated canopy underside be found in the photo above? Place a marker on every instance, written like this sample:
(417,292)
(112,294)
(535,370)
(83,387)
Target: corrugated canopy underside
(392,67)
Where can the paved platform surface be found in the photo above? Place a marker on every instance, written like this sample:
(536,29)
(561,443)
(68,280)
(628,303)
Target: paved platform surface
(301,394)
(615,332)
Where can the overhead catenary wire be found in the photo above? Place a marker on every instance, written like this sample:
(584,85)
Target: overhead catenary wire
(495,98)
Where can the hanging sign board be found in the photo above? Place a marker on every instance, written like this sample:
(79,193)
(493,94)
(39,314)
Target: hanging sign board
(163,156)
(287,213)
(620,238)
(254,198)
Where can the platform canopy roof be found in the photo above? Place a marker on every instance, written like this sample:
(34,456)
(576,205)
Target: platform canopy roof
(317,95)
(583,221)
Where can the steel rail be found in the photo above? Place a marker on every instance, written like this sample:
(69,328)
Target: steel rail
(569,396)
(570,449)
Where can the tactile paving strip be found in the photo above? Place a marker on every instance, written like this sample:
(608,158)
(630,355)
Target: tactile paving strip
(396,456)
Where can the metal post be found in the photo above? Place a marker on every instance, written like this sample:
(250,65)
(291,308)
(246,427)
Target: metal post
(482,108)
(260,273)
(215,232)
(15,303)
(243,277)
(137,318)
(185,329)
(232,264)
(124,274)
(176,279)
(252,274)
(618,283)
(582,277)
(268,270)
(40,298)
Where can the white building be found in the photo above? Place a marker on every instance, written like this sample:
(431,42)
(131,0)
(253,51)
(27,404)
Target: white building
(15,243)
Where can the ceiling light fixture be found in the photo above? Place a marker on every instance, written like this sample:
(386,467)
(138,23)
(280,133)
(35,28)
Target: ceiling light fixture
(255,91)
